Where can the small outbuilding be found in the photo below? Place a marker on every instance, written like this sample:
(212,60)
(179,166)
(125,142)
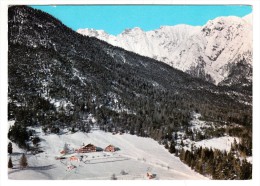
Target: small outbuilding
(74,158)
(62,152)
(111,148)
(150,175)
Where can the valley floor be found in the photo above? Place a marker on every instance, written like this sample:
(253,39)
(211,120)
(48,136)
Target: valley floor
(137,157)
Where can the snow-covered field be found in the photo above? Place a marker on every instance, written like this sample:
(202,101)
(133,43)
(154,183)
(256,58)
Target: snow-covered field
(221,143)
(136,157)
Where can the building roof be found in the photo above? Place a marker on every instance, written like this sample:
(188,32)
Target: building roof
(89,145)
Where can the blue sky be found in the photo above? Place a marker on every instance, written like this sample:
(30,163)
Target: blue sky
(116,18)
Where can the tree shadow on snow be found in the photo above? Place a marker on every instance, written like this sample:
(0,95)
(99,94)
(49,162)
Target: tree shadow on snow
(16,153)
(47,167)
(35,168)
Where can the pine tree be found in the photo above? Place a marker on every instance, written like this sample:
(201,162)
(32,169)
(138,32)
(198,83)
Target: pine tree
(113,177)
(175,136)
(182,154)
(203,155)
(172,147)
(23,161)
(192,164)
(187,157)
(73,129)
(218,171)
(35,142)
(176,152)
(10,148)
(199,167)
(182,144)
(66,148)
(166,145)
(10,163)
(246,170)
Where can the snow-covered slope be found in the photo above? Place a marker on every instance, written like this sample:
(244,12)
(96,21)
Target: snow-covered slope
(221,143)
(208,52)
(136,156)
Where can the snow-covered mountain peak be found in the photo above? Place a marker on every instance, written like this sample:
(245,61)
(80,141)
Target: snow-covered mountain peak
(206,51)
(92,32)
(180,29)
(226,24)
(132,31)
(178,26)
